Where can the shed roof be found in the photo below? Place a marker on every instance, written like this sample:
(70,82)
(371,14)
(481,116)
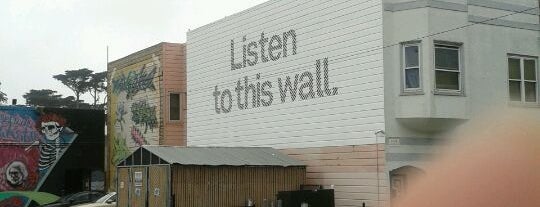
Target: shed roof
(222,156)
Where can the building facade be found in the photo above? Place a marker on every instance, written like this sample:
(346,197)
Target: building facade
(147,101)
(363,91)
(472,58)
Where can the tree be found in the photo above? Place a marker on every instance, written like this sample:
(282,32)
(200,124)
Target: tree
(97,85)
(76,80)
(3,96)
(47,97)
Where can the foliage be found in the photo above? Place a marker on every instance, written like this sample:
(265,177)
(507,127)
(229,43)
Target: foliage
(3,96)
(76,80)
(47,97)
(96,85)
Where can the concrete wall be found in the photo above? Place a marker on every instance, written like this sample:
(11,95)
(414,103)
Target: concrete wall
(347,110)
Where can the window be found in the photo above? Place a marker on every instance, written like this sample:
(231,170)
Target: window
(411,79)
(447,68)
(522,79)
(174,107)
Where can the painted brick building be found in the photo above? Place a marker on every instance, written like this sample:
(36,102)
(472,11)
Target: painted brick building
(147,101)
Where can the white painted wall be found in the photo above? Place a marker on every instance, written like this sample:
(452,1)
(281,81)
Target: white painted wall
(348,33)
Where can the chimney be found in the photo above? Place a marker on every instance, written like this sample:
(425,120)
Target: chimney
(14,101)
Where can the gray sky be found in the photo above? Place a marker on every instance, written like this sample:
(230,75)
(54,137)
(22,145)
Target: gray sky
(42,38)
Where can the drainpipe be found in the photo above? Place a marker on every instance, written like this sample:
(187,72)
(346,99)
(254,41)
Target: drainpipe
(378,134)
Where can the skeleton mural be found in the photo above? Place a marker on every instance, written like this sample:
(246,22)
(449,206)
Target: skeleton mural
(31,143)
(57,138)
(16,173)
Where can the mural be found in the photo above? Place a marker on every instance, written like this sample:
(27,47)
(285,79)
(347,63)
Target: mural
(31,143)
(135,81)
(120,149)
(144,114)
(134,103)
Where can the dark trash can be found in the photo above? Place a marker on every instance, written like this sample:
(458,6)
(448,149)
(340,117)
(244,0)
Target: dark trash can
(314,198)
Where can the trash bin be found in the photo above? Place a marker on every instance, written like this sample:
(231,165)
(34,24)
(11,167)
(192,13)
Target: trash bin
(313,198)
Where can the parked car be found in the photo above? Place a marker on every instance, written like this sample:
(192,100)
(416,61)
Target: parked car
(108,200)
(76,198)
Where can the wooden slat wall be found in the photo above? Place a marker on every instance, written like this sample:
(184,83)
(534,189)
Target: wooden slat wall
(174,80)
(357,172)
(226,186)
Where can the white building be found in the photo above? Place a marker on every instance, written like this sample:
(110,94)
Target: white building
(375,84)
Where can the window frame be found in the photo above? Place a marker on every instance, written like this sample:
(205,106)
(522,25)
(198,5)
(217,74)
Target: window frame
(522,80)
(461,80)
(403,68)
(179,109)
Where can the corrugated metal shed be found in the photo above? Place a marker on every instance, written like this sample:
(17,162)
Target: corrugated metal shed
(220,156)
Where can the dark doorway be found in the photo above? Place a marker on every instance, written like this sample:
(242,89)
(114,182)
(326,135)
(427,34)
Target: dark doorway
(401,178)
(77,180)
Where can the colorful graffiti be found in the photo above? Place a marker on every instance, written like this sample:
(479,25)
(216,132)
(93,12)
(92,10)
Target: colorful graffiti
(39,198)
(18,127)
(19,169)
(137,136)
(144,114)
(135,108)
(120,112)
(121,150)
(134,82)
(31,143)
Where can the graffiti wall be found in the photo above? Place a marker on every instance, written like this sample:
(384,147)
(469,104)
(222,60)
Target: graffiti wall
(134,103)
(31,144)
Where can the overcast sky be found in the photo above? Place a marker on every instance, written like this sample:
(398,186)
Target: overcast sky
(42,38)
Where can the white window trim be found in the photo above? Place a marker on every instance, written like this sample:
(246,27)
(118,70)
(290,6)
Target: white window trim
(522,80)
(449,45)
(403,67)
(169,107)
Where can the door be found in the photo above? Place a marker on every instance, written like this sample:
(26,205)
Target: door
(138,188)
(123,186)
(158,186)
